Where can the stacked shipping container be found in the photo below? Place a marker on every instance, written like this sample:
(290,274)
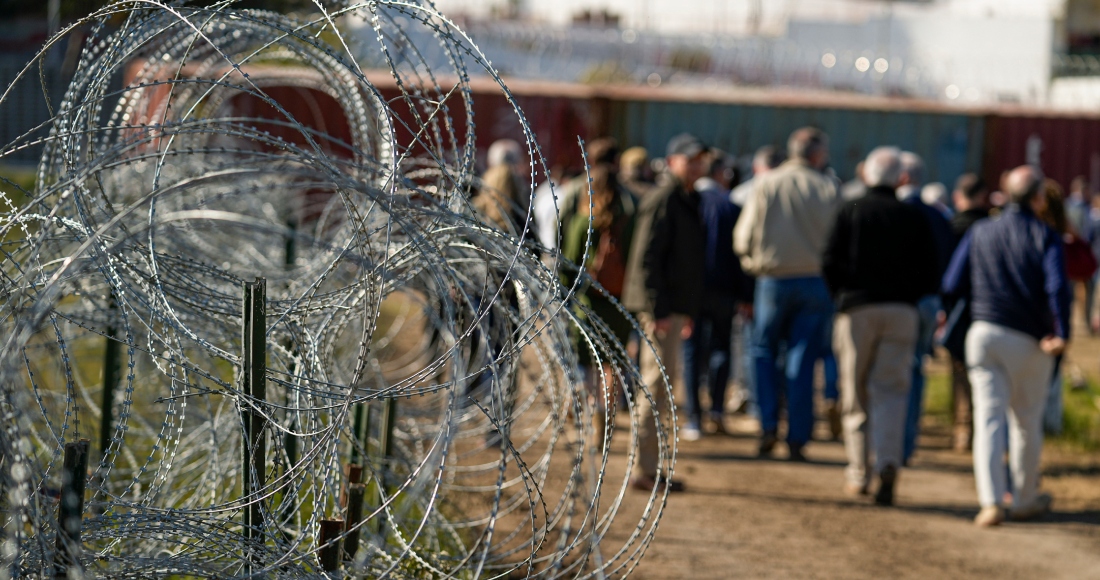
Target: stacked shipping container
(951,140)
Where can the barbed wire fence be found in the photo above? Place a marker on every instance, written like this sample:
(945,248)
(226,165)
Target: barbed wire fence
(599,55)
(243,340)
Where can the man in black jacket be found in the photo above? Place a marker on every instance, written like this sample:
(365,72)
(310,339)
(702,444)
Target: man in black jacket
(928,307)
(971,199)
(878,262)
(664,284)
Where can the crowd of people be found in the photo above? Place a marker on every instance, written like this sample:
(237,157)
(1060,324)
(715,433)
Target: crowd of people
(762,280)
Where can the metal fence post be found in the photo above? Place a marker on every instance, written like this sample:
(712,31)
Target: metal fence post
(110,382)
(330,550)
(254,386)
(70,512)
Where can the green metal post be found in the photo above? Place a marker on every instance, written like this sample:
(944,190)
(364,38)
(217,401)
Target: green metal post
(70,512)
(111,372)
(254,386)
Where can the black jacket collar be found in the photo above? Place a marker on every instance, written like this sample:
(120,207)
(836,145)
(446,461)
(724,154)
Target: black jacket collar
(883,190)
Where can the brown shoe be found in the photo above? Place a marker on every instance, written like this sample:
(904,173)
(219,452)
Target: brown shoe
(993,515)
(646,483)
(719,423)
(832,413)
(855,489)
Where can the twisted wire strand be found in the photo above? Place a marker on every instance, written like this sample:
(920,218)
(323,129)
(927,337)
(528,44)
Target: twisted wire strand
(200,147)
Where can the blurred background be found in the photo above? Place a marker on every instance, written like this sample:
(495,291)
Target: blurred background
(971,85)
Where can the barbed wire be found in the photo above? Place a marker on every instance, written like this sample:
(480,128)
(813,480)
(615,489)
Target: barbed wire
(597,55)
(421,389)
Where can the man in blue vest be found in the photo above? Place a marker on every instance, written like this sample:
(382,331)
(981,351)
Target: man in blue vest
(1013,270)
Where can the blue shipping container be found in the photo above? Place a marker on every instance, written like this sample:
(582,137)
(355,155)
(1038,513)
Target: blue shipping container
(950,143)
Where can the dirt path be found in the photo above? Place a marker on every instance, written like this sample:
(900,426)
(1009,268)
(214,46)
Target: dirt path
(749,518)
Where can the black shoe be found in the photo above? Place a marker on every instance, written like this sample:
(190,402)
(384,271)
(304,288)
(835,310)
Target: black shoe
(887,479)
(795,454)
(767,444)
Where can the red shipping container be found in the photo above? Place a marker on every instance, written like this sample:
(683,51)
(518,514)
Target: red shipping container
(556,113)
(1064,147)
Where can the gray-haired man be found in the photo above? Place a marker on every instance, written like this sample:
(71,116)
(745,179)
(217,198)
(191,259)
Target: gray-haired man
(878,263)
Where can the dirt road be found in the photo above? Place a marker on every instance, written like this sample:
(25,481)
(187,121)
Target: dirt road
(749,518)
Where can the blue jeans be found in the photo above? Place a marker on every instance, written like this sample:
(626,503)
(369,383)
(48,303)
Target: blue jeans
(927,308)
(707,354)
(794,311)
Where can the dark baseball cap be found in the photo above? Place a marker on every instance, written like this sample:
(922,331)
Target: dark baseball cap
(685,144)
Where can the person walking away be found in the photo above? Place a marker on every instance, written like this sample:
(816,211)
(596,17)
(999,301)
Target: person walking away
(497,201)
(878,263)
(636,176)
(720,173)
(779,237)
(508,153)
(1080,266)
(707,352)
(855,188)
(604,150)
(603,254)
(545,210)
(1013,270)
(664,284)
(764,160)
(930,306)
(1091,234)
(634,171)
(934,195)
(971,200)
(1078,209)
(1078,203)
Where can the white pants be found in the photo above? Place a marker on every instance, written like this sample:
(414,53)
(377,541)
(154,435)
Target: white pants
(1010,377)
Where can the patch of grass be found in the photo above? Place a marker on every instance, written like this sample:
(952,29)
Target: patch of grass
(19,176)
(1081,416)
(1081,410)
(937,396)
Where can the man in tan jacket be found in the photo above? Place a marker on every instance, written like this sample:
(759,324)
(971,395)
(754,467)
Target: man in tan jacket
(780,237)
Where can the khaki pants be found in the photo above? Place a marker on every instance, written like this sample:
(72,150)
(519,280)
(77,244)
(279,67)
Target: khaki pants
(668,346)
(874,349)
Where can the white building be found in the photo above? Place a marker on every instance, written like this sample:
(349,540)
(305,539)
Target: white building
(745,16)
(971,52)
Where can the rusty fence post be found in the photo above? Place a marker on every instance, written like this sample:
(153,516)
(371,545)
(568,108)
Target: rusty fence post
(356,492)
(330,549)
